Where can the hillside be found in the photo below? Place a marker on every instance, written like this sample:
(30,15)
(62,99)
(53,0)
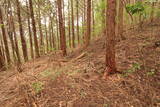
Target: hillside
(77,80)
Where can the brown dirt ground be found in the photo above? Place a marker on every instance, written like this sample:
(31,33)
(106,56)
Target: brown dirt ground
(76,80)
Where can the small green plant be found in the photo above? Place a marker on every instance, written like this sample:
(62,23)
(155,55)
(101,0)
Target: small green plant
(105,105)
(137,8)
(37,86)
(152,72)
(134,68)
(46,73)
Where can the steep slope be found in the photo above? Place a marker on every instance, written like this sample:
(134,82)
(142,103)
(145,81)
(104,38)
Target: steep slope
(76,80)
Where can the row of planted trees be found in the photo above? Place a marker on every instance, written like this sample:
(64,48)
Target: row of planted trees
(31,28)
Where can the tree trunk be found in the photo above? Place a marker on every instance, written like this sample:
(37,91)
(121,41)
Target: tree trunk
(47,43)
(61,28)
(52,34)
(73,35)
(88,34)
(10,30)
(15,42)
(69,24)
(4,37)
(78,22)
(40,29)
(30,32)
(2,61)
(110,37)
(84,21)
(93,20)
(120,19)
(152,13)
(57,27)
(34,30)
(23,41)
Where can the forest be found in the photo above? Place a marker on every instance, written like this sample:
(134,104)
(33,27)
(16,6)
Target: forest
(79,53)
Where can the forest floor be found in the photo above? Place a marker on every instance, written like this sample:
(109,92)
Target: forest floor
(77,80)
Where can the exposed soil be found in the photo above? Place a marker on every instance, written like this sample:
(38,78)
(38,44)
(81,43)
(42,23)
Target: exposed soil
(76,80)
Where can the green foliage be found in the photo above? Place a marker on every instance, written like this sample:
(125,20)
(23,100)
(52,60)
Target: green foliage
(105,105)
(150,1)
(46,73)
(37,86)
(134,68)
(158,14)
(1,25)
(152,72)
(137,8)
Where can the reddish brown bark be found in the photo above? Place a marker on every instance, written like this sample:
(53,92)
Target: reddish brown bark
(34,30)
(120,18)
(73,33)
(61,28)
(57,27)
(40,28)
(69,24)
(46,31)
(14,38)
(88,33)
(4,38)
(23,41)
(2,61)
(110,37)
(29,30)
(78,37)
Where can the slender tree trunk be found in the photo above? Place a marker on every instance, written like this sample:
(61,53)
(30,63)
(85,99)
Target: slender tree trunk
(40,28)
(110,37)
(30,32)
(88,34)
(93,20)
(47,43)
(152,13)
(73,35)
(23,41)
(3,50)
(120,19)
(2,61)
(61,28)
(4,38)
(15,42)
(103,17)
(57,27)
(84,19)
(69,24)
(34,30)
(78,22)
(52,34)
(10,31)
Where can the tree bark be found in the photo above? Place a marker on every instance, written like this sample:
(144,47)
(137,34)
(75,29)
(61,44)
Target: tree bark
(30,32)
(120,19)
(23,41)
(88,34)
(61,29)
(69,24)
(4,38)
(14,38)
(110,37)
(40,29)
(78,37)
(73,33)
(34,30)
